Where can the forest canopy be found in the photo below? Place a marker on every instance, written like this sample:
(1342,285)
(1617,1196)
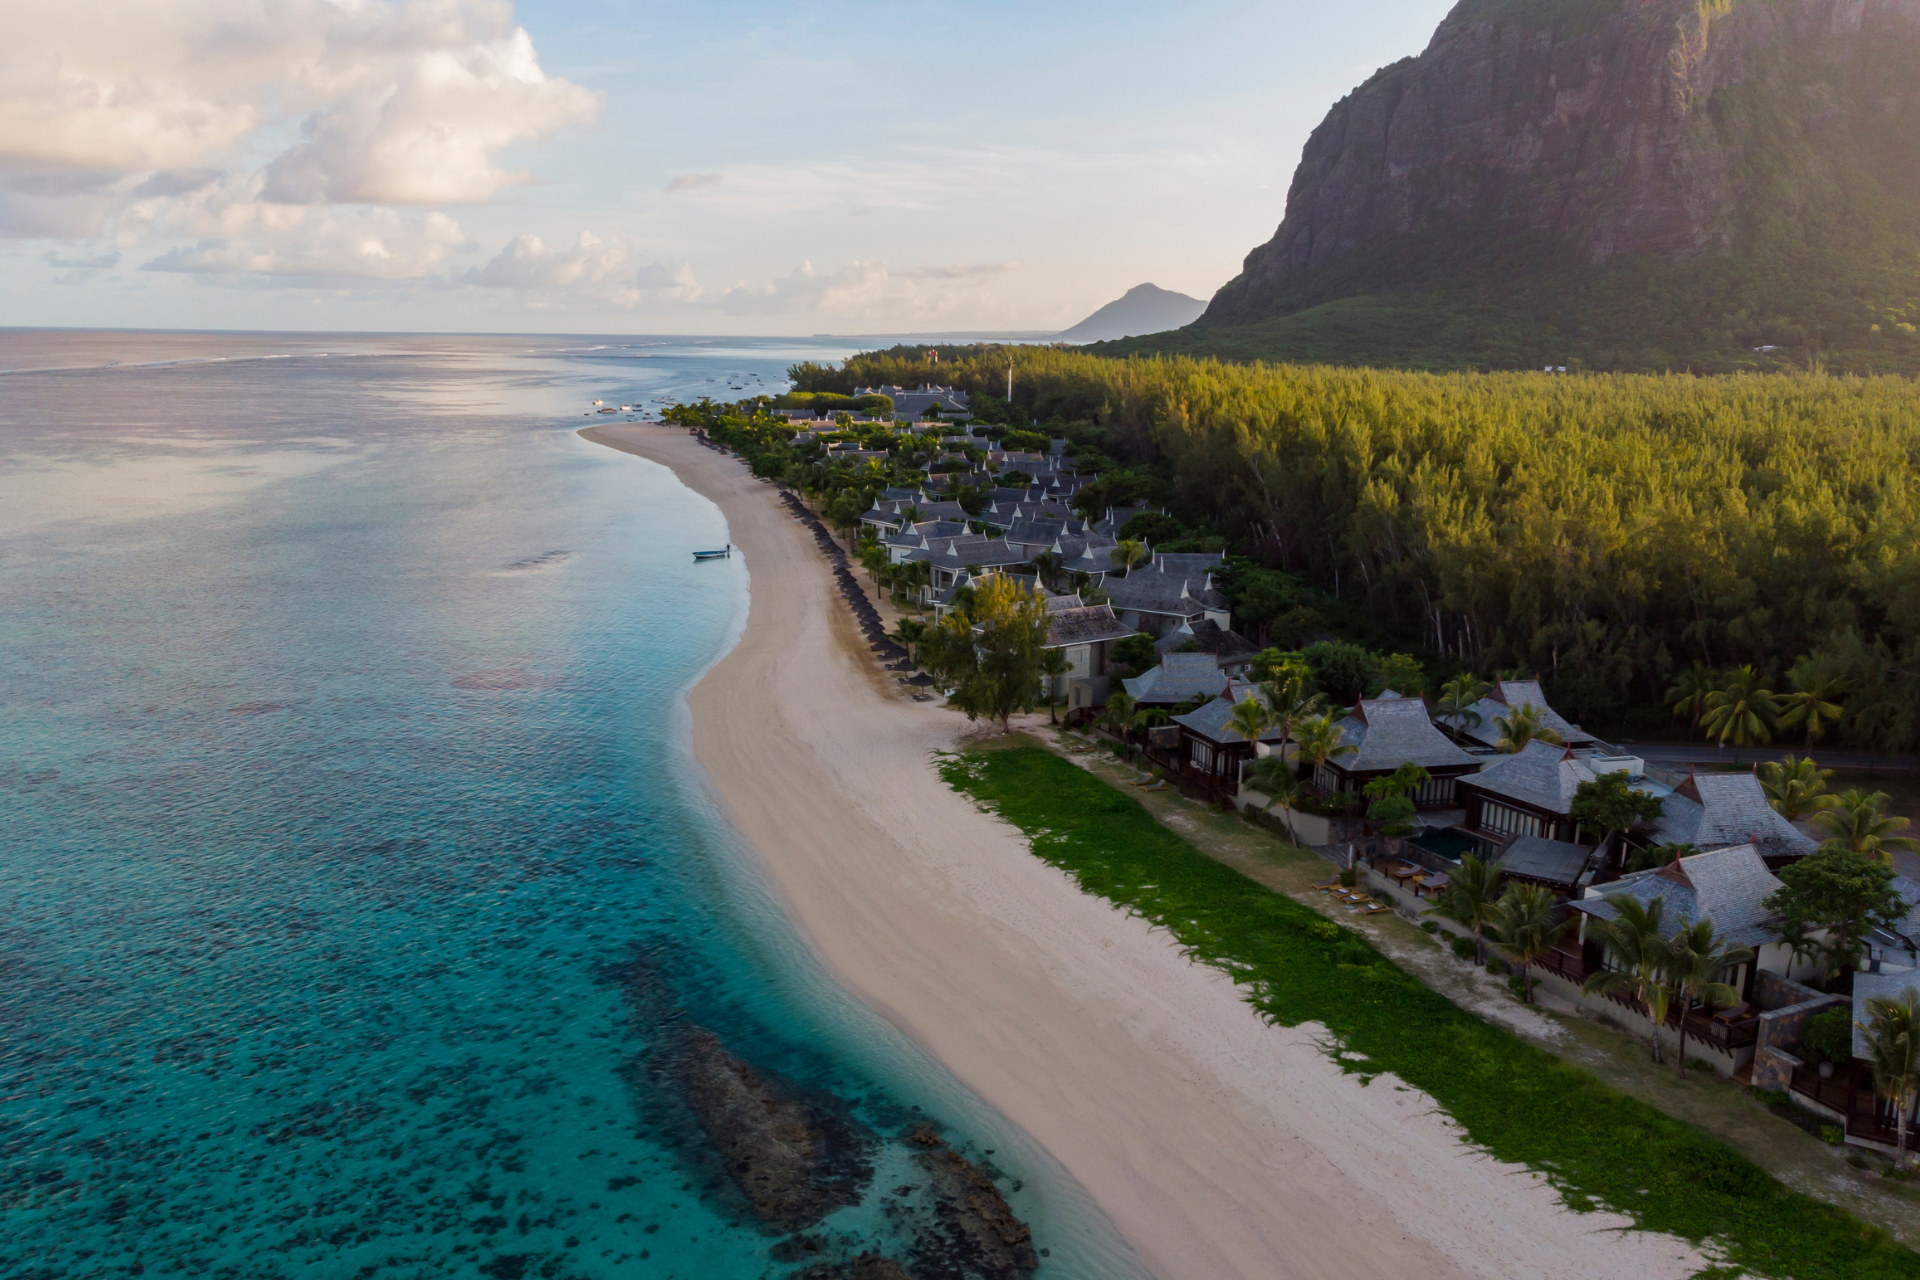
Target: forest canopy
(1609,529)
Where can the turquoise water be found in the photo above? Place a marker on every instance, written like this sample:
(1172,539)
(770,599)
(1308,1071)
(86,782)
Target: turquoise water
(355,867)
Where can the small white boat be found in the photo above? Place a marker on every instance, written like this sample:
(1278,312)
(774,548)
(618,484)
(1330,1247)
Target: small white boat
(725,554)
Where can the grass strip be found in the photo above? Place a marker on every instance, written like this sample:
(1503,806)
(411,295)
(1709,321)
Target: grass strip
(1599,1147)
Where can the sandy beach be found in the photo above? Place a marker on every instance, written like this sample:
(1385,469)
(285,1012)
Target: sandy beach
(1220,1146)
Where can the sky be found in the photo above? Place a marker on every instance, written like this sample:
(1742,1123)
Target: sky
(625,166)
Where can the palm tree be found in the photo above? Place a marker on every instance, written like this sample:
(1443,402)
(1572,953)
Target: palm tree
(1278,781)
(909,632)
(1795,788)
(1320,741)
(1468,900)
(1290,703)
(1522,924)
(1857,822)
(1814,702)
(1688,695)
(1743,712)
(1893,1053)
(1131,554)
(1521,726)
(1696,959)
(1119,714)
(1457,699)
(1250,718)
(1053,665)
(1639,952)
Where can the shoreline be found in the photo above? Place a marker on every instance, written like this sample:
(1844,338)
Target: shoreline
(1219,1146)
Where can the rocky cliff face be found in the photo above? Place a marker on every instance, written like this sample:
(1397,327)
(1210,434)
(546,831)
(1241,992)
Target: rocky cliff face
(1670,128)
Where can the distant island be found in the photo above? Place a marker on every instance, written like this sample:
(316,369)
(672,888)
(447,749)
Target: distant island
(1664,185)
(1144,309)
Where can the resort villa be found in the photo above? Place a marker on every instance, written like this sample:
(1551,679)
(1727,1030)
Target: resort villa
(1084,633)
(1387,732)
(1180,678)
(1480,725)
(1157,597)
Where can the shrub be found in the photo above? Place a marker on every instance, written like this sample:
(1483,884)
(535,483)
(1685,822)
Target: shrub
(1518,985)
(1463,947)
(1828,1036)
(1832,1134)
(1430,926)
(1496,966)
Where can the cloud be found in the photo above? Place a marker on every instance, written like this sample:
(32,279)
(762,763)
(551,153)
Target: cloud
(691,181)
(395,102)
(86,262)
(316,246)
(868,288)
(594,266)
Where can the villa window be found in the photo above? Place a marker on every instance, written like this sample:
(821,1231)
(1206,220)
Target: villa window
(1507,820)
(1202,756)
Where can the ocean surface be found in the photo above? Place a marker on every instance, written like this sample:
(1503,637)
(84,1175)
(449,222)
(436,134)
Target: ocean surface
(355,873)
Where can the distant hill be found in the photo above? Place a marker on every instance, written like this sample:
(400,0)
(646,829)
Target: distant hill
(1714,185)
(1145,309)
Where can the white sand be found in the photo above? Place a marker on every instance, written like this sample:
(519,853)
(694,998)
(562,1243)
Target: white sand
(1221,1147)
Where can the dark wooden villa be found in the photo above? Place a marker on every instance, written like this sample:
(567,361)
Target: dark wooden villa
(1509,696)
(1210,752)
(1527,794)
(1387,732)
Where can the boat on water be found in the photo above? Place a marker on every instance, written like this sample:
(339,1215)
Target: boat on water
(724,554)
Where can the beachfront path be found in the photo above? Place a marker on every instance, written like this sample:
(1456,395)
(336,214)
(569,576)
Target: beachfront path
(1220,1147)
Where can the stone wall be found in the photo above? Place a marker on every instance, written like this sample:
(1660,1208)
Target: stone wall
(1788,1005)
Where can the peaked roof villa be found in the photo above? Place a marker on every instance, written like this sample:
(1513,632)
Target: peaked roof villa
(1387,732)
(1180,677)
(1720,810)
(1509,696)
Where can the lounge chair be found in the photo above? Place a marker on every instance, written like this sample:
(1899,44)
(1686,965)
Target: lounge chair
(1374,909)
(1159,786)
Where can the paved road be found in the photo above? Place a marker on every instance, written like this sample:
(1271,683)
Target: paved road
(1669,754)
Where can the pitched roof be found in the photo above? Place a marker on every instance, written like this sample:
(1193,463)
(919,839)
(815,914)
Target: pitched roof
(1727,886)
(1390,731)
(1555,861)
(1510,695)
(1083,624)
(1210,721)
(1717,810)
(1179,676)
(1152,591)
(1196,565)
(1226,646)
(1540,774)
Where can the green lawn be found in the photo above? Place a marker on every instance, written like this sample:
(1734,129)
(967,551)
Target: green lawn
(1600,1147)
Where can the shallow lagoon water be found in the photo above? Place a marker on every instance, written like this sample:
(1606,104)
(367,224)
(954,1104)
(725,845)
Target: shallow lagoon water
(355,858)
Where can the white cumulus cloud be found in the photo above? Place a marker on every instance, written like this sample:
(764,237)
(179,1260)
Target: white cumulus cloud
(105,105)
(594,265)
(868,288)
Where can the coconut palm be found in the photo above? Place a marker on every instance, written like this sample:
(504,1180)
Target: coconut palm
(1795,788)
(1290,703)
(1523,925)
(1687,695)
(1320,741)
(1858,822)
(1281,784)
(1814,703)
(1053,665)
(1457,699)
(1639,951)
(1469,899)
(1522,725)
(1696,960)
(1131,553)
(1250,718)
(1893,1054)
(1742,711)
(1119,714)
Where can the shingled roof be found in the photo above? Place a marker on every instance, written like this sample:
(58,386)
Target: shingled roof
(1178,678)
(1390,731)
(1719,810)
(1227,647)
(1728,887)
(1210,721)
(1540,775)
(1152,591)
(1552,861)
(1083,624)
(1509,696)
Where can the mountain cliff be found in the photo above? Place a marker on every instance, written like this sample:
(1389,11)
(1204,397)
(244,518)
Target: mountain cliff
(1145,308)
(1618,183)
